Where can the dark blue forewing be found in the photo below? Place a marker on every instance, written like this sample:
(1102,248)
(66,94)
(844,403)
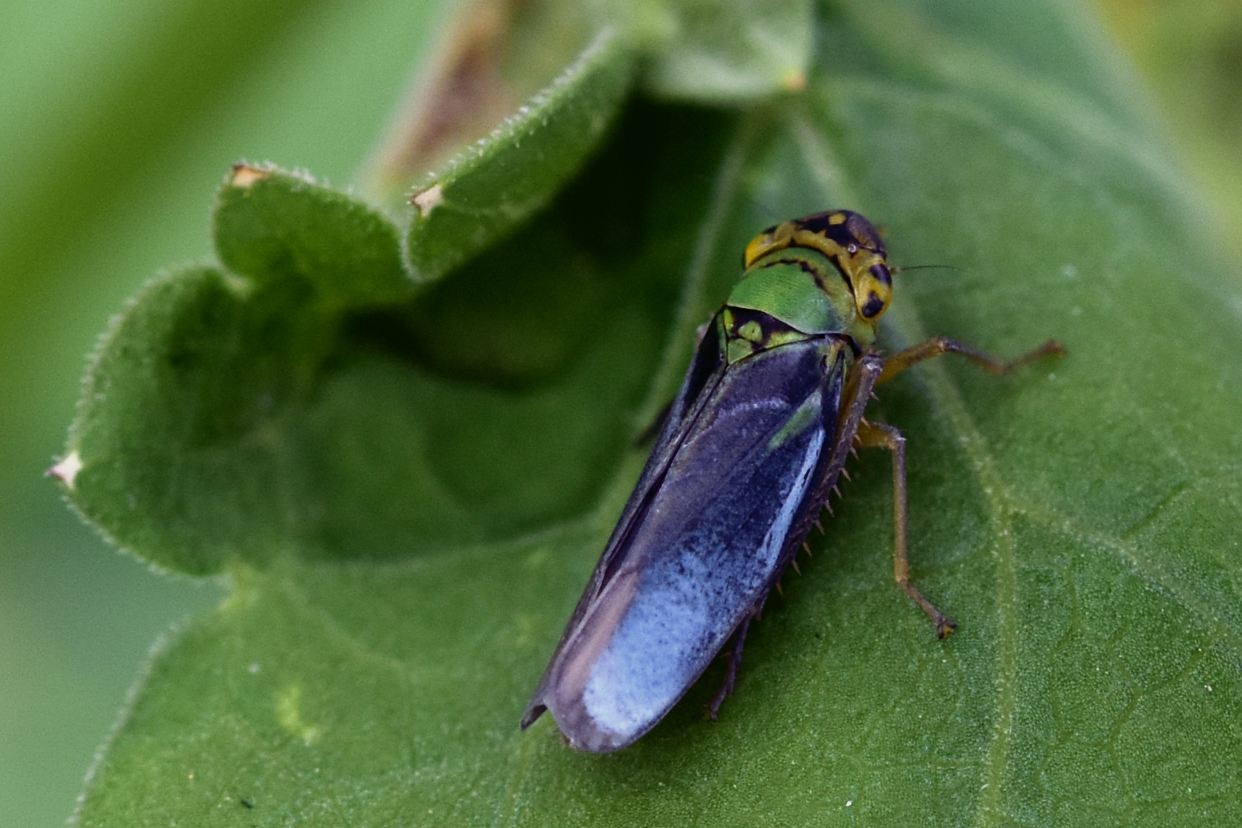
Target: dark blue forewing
(734,481)
(701,378)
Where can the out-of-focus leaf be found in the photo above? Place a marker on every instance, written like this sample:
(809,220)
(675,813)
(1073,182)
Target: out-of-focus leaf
(730,51)
(488,190)
(492,56)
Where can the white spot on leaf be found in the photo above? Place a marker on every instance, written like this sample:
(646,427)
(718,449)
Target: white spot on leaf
(244,175)
(428,200)
(67,470)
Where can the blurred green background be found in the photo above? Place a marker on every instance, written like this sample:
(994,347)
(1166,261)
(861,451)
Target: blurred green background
(117,123)
(1189,53)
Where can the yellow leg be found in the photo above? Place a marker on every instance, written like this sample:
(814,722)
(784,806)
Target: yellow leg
(939,346)
(880,435)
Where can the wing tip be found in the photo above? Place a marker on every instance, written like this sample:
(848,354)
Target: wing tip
(533,711)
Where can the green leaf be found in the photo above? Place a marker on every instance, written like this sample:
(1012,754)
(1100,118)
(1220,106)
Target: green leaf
(490,189)
(272,226)
(731,50)
(408,491)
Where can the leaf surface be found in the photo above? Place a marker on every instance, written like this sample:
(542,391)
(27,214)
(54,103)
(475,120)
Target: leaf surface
(408,482)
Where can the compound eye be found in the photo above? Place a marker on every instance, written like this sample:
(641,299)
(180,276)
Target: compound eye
(875,291)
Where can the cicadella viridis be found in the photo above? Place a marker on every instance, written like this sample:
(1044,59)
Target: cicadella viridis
(750,449)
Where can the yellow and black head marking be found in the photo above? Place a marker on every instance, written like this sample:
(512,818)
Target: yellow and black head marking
(850,241)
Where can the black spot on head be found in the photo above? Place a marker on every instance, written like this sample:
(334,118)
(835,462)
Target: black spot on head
(881,274)
(872,307)
(827,225)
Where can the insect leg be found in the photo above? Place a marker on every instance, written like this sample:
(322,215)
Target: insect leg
(735,661)
(881,435)
(939,345)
